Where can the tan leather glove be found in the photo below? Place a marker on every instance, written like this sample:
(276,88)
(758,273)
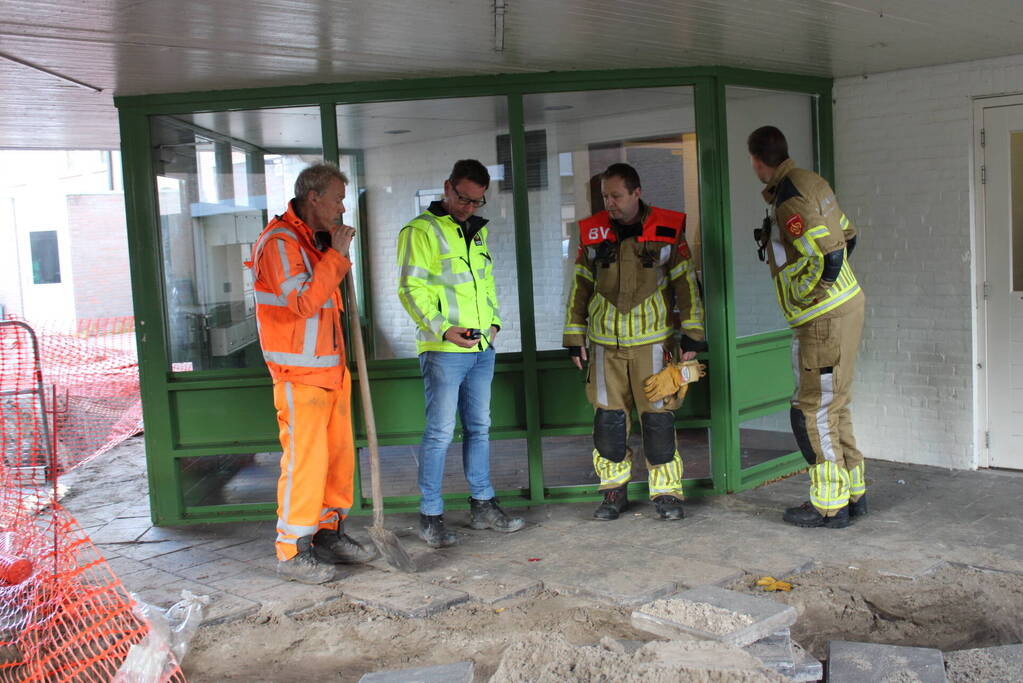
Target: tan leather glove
(675,378)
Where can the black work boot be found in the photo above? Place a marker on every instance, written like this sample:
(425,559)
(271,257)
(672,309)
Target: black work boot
(806,515)
(335,546)
(304,566)
(615,502)
(434,532)
(487,514)
(669,507)
(859,507)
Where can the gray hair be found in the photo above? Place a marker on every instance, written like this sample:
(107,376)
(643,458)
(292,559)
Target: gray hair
(316,178)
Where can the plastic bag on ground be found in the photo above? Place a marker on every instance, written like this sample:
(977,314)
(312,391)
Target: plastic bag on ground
(166,644)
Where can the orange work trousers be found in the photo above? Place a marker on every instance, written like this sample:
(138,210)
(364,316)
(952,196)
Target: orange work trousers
(316,487)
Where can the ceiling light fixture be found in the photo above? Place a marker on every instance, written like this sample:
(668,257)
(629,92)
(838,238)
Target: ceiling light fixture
(398,131)
(558,107)
(500,7)
(67,79)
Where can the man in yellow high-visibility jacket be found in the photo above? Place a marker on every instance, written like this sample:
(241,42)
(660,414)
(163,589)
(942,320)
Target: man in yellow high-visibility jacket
(446,285)
(808,247)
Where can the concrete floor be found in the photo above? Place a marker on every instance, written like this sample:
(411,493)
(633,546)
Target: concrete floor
(920,517)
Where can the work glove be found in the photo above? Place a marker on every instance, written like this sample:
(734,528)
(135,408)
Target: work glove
(675,378)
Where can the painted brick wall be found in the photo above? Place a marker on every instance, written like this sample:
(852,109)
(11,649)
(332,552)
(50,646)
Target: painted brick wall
(903,148)
(99,255)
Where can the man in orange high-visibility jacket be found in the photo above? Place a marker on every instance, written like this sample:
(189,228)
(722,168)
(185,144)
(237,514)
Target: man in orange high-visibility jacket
(299,261)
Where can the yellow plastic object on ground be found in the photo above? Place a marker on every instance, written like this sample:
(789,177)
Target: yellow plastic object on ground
(771,584)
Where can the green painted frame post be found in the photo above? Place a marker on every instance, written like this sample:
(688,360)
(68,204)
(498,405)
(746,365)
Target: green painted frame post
(166,393)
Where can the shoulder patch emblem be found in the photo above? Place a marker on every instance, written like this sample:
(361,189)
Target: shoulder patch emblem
(795,225)
(478,240)
(683,248)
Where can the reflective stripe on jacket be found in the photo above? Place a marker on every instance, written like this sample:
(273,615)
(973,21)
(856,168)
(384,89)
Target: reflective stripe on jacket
(809,225)
(623,293)
(298,303)
(444,282)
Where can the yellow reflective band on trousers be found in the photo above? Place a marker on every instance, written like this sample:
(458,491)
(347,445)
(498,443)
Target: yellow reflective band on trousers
(666,479)
(857,482)
(829,487)
(316,486)
(612,474)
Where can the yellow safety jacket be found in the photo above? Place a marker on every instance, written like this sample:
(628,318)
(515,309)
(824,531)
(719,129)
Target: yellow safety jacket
(446,280)
(624,291)
(809,225)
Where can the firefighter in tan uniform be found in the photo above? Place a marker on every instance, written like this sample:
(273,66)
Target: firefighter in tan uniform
(632,271)
(808,244)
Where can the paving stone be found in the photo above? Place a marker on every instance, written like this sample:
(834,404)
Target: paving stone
(257,547)
(1001,663)
(400,594)
(462,672)
(850,662)
(121,531)
(240,578)
(775,651)
(147,551)
(806,667)
(292,597)
(768,616)
(182,559)
(123,566)
(482,585)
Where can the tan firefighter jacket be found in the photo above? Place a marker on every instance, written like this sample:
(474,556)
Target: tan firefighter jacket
(623,293)
(808,225)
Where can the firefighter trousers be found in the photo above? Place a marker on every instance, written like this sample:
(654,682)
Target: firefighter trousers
(614,385)
(316,487)
(823,361)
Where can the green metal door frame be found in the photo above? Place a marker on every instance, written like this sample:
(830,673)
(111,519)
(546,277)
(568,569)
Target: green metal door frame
(164,392)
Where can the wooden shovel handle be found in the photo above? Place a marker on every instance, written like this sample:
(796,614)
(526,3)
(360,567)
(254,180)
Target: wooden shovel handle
(355,328)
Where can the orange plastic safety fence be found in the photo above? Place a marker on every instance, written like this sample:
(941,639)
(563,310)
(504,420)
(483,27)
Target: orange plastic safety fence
(64,616)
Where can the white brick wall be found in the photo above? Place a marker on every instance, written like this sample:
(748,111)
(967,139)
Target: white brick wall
(903,149)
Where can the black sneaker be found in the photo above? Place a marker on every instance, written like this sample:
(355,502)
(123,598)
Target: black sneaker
(615,502)
(434,532)
(305,567)
(859,507)
(338,547)
(806,515)
(669,507)
(487,514)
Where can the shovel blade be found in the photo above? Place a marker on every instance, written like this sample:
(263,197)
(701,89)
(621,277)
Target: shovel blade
(392,550)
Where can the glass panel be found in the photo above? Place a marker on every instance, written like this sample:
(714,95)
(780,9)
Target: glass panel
(399,468)
(756,309)
(406,151)
(45,257)
(1016,152)
(568,460)
(219,176)
(766,438)
(580,134)
(230,479)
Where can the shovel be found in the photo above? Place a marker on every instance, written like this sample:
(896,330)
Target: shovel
(385,541)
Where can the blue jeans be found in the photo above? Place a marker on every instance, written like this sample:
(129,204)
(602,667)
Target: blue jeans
(455,381)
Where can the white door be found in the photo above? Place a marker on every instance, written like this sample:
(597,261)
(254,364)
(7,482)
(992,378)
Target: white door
(1002,178)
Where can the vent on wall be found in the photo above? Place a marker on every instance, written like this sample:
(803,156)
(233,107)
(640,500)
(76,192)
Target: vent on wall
(536,160)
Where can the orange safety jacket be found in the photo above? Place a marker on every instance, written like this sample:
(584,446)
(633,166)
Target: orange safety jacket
(298,303)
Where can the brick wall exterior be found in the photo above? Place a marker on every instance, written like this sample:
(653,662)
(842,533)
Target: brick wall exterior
(903,147)
(99,255)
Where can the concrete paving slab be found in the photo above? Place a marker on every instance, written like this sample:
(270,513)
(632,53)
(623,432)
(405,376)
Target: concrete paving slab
(230,575)
(805,669)
(400,594)
(767,616)
(121,530)
(775,651)
(850,662)
(183,559)
(144,551)
(292,597)
(462,672)
(483,585)
(1002,663)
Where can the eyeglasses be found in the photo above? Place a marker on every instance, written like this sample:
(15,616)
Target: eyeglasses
(466,201)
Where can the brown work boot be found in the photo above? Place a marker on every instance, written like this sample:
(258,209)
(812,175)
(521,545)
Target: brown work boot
(615,502)
(338,547)
(305,567)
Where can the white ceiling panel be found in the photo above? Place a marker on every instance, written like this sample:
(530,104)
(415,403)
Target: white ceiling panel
(131,47)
